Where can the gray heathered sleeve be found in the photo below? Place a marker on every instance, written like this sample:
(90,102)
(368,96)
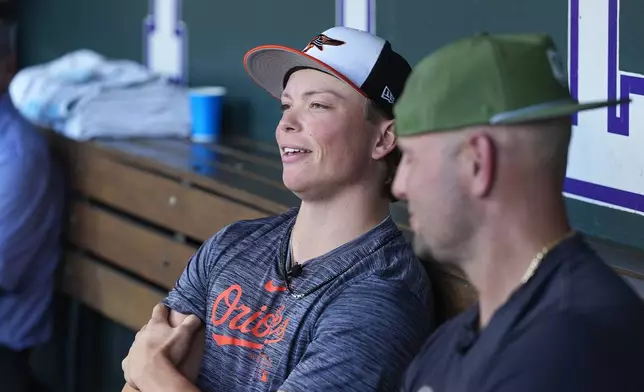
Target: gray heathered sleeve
(190,292)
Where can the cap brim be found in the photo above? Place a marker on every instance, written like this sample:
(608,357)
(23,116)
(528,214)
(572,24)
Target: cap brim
(560,110)
(268,65)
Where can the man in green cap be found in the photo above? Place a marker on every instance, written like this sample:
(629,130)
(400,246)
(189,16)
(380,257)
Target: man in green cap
(484,126)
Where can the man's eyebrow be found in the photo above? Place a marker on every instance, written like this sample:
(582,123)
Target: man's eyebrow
(323,91)
(316,92)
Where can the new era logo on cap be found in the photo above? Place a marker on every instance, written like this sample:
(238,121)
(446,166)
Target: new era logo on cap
(365,61)
(388,96)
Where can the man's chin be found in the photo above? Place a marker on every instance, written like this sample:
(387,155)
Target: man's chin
(420,250)
(296,187)
(425,253)
(304,192)
(307,189)
(296,183)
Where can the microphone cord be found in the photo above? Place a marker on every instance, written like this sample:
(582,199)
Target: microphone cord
(287,260)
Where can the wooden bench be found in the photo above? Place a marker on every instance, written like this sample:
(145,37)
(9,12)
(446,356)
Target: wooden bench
(139,209)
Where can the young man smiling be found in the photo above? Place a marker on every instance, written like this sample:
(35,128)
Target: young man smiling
(327,296)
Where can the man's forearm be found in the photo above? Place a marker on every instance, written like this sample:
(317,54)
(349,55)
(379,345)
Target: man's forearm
(163,377)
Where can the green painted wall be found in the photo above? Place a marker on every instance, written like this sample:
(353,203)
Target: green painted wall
(222,31)
(417,27)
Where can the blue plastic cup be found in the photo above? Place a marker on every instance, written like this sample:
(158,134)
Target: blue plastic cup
(206,106)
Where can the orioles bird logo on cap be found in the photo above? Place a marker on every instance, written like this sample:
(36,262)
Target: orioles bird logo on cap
(320,40)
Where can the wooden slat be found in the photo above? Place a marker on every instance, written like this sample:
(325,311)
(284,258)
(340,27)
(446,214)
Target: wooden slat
(271,169)
(224,182)
(448,269)
(452,295)
(157,199)
(113,294)
(143,251)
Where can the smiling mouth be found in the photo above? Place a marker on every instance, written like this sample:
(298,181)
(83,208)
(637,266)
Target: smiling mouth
(287,151)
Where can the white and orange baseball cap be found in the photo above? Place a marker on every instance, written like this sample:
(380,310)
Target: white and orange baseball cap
(364,61)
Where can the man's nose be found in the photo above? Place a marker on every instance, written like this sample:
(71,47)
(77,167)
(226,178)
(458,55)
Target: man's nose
(289,122)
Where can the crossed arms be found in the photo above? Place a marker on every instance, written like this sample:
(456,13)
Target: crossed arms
(166,353)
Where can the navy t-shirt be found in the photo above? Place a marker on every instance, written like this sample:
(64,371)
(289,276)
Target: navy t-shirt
(576,326)
(365,310)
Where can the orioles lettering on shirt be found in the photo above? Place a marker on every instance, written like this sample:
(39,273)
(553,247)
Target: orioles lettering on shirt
(267,326)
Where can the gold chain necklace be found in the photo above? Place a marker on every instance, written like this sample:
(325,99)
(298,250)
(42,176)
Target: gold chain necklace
(536,261)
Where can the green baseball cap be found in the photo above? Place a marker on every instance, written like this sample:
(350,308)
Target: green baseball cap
(487,79)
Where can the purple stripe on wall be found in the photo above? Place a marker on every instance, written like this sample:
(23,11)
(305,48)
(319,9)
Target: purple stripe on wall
(635,84)
(630,200)
(616,125)
(574,52)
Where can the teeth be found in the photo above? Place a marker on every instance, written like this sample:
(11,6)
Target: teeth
(288,150)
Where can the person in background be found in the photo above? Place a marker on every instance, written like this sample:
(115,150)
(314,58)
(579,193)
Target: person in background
(484,125)
(329,295)
(31,205)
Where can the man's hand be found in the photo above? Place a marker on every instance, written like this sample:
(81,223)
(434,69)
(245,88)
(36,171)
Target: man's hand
(156,342)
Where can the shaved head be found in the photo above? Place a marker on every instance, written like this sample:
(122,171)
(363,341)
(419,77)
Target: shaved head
(540,147)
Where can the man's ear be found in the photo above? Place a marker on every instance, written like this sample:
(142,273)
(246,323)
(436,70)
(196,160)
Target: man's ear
(385,141)
(480,157)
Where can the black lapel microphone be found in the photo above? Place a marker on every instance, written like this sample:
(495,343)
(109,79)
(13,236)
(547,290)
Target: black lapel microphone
(295,271)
